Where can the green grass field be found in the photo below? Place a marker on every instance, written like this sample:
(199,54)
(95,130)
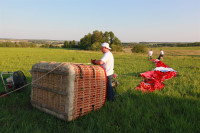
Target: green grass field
(175,108)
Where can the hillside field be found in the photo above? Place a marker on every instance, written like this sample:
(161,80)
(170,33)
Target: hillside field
(175,108)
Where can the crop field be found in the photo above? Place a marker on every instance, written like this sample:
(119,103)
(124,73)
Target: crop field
(175,108)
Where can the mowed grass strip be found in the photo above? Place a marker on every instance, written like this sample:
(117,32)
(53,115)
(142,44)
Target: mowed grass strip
(175,108)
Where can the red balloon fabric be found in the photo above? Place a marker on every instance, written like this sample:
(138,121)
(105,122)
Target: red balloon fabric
(152,80)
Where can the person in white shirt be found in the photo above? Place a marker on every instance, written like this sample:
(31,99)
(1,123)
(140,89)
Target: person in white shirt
(107,62)
(150,54)
(161,55)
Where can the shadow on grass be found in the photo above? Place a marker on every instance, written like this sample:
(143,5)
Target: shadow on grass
(133,111)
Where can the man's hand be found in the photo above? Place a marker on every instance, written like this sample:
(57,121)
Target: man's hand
(93,61)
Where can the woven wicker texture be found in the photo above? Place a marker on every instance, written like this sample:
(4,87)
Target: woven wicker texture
(70,91)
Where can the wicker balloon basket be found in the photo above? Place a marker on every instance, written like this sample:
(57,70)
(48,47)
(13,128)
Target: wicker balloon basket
(68,92)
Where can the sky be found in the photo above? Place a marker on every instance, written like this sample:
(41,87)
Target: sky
(129,20)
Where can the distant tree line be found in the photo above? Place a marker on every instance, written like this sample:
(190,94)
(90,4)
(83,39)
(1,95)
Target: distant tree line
(70,44)
(128,45)
(88,42)
(177,44)
(17,44)
(27,45)
(49,46)
(53,42)
(151,44)
(31,43)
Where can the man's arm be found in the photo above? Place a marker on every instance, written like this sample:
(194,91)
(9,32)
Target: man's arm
(99,62)
(102,60)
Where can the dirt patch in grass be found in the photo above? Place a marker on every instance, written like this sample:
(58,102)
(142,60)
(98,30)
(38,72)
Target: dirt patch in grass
(183,52)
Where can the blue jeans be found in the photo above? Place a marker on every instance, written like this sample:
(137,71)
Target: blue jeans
(110,93)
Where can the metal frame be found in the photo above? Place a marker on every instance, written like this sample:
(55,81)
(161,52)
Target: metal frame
(2,78)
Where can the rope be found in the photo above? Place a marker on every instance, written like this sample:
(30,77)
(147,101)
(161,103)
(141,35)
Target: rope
(33,80)
(3,95)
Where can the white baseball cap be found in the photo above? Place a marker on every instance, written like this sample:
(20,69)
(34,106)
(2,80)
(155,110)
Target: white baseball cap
(105,45)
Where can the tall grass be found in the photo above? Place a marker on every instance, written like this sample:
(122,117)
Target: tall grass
(175,108)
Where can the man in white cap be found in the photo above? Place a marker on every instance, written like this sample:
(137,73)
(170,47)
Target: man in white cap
(107,62)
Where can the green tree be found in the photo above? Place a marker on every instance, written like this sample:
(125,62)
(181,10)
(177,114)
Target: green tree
(70,44)
(86,42)
(116,41)
(66,44)
(112,35)
(106,37)
(73,42)
(97,36)
(90,41)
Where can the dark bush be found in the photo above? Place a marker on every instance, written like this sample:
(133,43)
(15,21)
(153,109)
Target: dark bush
(139,49)
(116,48)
